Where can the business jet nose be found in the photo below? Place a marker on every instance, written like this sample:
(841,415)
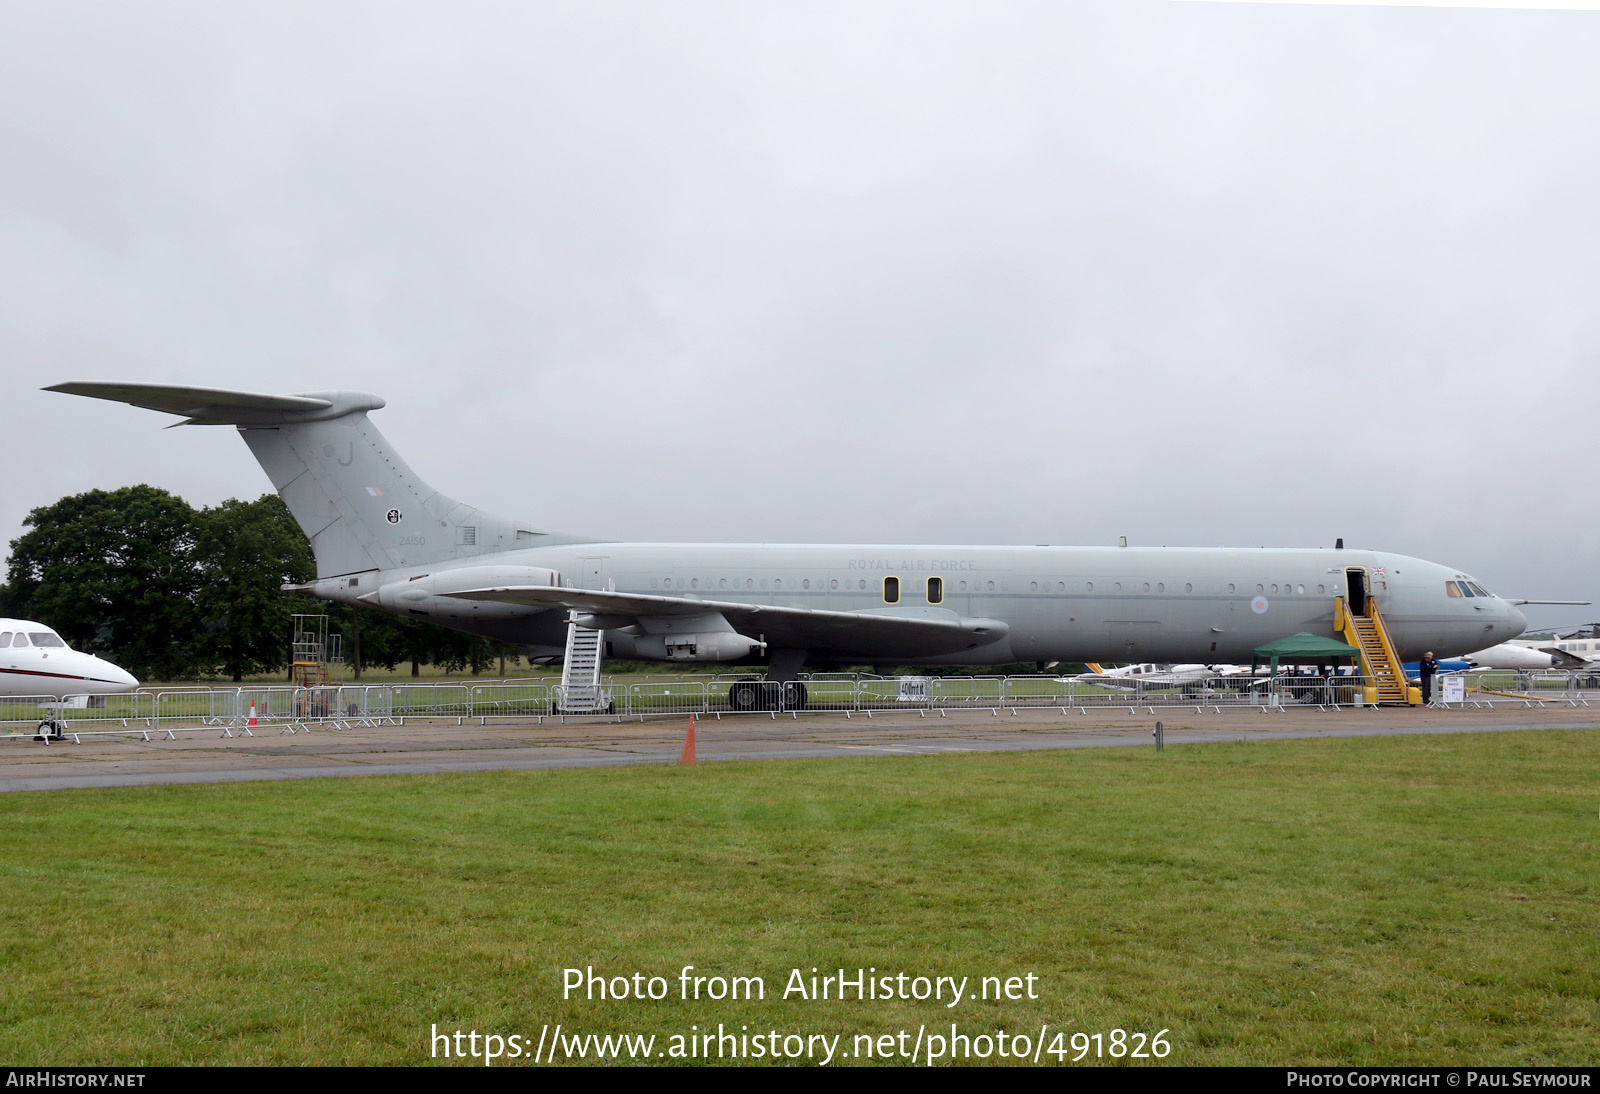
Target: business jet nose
(110,673)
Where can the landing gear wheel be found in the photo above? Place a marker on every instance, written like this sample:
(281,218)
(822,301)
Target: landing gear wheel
(49,731)
(745,695)
(794,695)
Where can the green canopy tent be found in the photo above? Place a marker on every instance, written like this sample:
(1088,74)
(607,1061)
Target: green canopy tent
(1304,649)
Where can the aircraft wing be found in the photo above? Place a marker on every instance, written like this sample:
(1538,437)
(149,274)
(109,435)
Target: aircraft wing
(1564,659)
(871,635)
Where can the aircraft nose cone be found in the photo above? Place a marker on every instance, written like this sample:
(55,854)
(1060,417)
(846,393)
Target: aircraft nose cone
(1516,620)
(105,670)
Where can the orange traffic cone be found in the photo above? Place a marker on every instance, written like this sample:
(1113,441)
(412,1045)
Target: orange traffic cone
(687,759)
(252,720)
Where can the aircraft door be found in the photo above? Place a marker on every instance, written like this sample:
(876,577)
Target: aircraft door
(1356,579)
(593,573)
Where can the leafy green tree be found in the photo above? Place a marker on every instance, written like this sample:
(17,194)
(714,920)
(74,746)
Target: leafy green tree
(454,651)
(243,552)
(419,643)
(382,637)
(114,572)
(507,653)
(167,591)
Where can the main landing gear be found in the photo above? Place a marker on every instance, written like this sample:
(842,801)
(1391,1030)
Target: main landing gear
(767,695)
(779,691)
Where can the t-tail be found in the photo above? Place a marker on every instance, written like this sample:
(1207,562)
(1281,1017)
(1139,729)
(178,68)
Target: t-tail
(357,501)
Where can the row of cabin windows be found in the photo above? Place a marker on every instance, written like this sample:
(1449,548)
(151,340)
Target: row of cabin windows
(935,587)
(1160,587)
(749,583)
(1088,586)
(42,639)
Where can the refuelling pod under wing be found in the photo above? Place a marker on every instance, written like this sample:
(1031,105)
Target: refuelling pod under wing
(702,646)
(427,594)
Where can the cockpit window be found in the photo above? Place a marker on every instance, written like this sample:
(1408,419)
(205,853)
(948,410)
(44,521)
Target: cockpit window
(45,640)
(20,640)
(1452,589)
(1479,589)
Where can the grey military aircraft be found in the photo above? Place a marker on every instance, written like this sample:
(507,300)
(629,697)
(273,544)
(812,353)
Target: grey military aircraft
(385,538)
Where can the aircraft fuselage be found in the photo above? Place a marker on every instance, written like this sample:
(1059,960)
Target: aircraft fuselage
(1055,603)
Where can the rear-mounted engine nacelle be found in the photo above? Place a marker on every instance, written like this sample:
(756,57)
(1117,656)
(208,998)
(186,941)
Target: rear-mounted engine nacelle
(425,594)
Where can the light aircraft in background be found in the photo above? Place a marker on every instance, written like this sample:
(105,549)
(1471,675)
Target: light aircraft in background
(1192,679)
(383,537)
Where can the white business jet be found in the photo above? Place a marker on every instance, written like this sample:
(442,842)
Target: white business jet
(34,661)
(36,664)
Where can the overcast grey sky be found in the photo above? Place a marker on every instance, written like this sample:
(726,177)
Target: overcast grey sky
(1197,274)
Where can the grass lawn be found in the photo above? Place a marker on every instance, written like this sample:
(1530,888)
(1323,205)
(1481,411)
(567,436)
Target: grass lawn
(1375,901)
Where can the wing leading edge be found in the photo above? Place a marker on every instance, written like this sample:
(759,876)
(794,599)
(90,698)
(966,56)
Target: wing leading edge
(873,634)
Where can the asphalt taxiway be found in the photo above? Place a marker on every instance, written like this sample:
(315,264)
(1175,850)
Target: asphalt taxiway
(444,746)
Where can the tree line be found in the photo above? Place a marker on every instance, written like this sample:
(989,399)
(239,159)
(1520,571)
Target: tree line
(168,591)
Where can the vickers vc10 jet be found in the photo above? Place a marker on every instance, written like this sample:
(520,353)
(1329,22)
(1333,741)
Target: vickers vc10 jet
(383,537)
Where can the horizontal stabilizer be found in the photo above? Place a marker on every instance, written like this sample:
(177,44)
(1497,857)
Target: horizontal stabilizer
(874,635)
(213,406)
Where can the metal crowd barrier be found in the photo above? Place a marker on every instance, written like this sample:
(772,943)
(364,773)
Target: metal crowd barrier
(679,698)
(22,715)
(234,711)
(953,692)
(518,699)
(1214,691)
(833,692)
(1549,687)
(430,701)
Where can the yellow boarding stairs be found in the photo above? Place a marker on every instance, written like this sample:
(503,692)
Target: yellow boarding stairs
(1385,677)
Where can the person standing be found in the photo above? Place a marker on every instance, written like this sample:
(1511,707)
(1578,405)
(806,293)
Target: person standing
(1427,669)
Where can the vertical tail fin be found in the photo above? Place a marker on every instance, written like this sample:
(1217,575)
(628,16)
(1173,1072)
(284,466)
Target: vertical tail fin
(357,501)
